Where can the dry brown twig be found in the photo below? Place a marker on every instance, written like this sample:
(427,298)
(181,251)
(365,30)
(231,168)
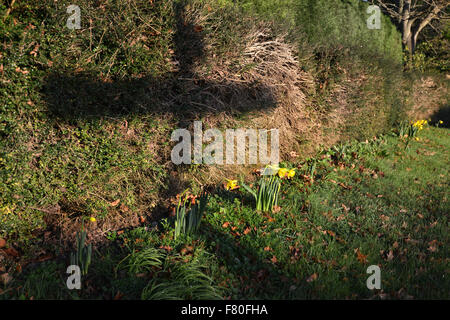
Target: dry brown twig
(9,9)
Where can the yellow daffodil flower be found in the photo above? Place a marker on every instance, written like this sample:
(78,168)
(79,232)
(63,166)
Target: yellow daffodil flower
(231,184)
(419,124)
(282,172)
(291,173)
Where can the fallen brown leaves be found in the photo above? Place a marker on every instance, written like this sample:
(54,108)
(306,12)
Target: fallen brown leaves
(11,252)
(5,278)
(188,250)
(312,278)
(114,203)
(21,71)
(433,246)
(390,256)
(362,258)
(340,184)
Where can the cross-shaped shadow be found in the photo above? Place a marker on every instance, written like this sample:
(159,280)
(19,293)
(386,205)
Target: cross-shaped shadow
(182,93)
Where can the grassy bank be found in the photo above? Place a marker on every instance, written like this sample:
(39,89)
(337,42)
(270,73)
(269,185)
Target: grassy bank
(383,202)
(86,117)
(86,114)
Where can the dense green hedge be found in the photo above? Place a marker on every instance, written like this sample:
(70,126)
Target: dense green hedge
(344,23)
(332,36)
(329,23)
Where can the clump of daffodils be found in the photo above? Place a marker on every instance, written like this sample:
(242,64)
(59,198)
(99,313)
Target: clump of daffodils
(267,188)
(271,170)
(286,173)
(413,128)
(419,124)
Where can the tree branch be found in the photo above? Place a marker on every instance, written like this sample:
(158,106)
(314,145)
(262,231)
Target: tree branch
(9,9)
(433,14)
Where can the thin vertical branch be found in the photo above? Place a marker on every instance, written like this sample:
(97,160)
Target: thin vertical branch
(9,9)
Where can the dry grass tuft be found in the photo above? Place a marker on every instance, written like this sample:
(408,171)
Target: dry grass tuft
(428,96)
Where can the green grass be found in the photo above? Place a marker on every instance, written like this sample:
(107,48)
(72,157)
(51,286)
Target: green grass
(82,127)
(82,123)
(382,203)
(397,203)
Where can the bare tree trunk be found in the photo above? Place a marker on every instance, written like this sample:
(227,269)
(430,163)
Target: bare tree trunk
(407,22)
(406,37)
(408,12)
